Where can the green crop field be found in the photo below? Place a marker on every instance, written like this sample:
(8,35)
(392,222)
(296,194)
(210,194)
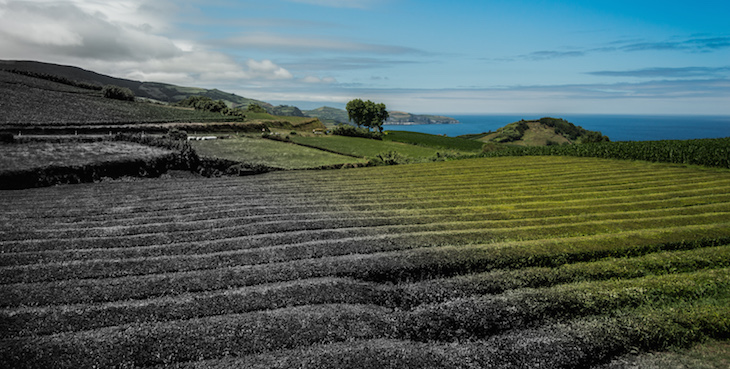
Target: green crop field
(511,262)
(366,148)
(435,141)
(270,153)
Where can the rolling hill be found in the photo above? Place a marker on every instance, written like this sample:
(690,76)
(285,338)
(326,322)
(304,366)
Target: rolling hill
(151,90)
(541,132)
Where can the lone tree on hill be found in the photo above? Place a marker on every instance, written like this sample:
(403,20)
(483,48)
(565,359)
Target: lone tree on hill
(367,113)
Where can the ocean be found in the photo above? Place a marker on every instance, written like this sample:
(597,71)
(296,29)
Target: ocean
(616,127)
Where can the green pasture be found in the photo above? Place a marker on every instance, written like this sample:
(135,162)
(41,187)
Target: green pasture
(276,154)
(366,148)
(542,261)
(434,141)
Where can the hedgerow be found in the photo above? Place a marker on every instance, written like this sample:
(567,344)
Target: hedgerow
(706,152)
(58,79)
(352,131)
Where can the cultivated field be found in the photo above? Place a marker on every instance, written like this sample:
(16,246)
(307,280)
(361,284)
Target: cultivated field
(33,103)
(438,142)
(366,148)
(516,262)
(274,154)
(31,155)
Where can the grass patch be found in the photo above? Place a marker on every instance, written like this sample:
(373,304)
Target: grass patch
(438,142)
(366,148)
(271,153)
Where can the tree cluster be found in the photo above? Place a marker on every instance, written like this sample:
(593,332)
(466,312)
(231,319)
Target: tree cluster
(367,114)
(117,93)
(214,106)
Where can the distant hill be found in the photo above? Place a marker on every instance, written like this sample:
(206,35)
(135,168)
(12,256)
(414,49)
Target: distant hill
(328,115)
(286,110)
(170,93)
(152,90)
(399,117)
(541,132)
(333,115)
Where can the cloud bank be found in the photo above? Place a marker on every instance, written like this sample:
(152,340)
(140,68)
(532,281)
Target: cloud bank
(124,38)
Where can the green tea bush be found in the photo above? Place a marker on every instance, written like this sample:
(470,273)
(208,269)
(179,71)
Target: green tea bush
(707,152)
(117,93)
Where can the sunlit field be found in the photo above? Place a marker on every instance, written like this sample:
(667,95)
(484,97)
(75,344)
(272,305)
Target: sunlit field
(496,262)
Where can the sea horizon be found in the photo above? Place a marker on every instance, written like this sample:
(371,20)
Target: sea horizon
(618,127)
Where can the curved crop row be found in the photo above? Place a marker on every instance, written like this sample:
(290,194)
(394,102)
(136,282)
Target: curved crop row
(551,261)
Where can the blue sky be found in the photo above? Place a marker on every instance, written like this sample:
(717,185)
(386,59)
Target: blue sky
(457,57)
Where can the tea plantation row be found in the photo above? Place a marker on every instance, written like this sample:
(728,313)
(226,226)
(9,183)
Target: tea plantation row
(711,152)
(554,262)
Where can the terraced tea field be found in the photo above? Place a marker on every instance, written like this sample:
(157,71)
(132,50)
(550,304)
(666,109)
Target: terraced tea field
(523,262)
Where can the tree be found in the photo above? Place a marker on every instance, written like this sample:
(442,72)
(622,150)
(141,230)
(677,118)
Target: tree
(255,108)
(367,113)
(118,93)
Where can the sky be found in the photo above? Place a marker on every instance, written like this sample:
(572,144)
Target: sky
(428,57)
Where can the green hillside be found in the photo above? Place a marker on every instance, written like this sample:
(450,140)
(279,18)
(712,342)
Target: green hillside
(541,132)
(152,90)
(329,115)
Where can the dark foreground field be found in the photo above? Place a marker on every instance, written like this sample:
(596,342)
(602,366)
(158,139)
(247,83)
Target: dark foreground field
(525,262)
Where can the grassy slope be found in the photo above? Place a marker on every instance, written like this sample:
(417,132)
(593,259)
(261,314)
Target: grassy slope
(438,142)
(541,135)
(32,102)
(270,153)
(536,135)
(365,148)
(519,261)
(158,91)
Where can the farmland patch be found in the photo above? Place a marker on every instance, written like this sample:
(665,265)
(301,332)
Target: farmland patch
(506,262)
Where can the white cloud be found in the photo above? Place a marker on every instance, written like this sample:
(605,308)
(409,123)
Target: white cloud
(266,69)
(121,38)
(268,41)
(317,80)
(67,29)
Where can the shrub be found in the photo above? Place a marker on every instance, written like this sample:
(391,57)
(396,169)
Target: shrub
(390,158)
(176,134)
(117,93)
(352,131)
(237,112)
(255,108)
(511,132)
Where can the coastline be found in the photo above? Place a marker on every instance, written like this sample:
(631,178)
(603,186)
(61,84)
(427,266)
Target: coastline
(616,127)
